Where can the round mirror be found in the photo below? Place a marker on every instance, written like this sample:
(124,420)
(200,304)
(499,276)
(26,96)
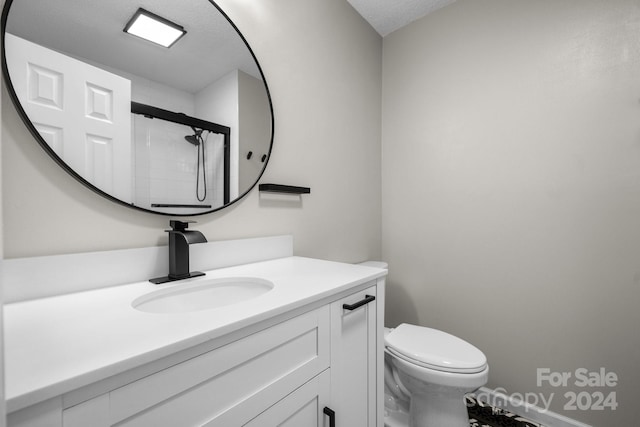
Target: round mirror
(177,122)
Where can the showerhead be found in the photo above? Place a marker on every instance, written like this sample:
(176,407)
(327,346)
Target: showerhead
(195,138)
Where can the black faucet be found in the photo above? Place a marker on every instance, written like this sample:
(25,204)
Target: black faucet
(179,240)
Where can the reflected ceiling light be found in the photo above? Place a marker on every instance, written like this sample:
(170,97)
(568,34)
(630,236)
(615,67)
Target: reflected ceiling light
(154,28)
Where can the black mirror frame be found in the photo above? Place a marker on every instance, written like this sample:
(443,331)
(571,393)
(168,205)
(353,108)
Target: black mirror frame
(34,132)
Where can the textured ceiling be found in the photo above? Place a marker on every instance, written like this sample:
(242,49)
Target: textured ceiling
(386,16)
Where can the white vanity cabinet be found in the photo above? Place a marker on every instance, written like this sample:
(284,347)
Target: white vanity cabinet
(225,387)
(317,365)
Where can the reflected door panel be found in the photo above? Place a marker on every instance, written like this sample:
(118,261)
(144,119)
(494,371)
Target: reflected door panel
(81,112)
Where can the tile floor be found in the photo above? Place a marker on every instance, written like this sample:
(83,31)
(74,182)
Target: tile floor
(482,414)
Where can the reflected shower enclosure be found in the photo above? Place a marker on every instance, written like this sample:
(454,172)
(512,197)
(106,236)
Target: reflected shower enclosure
(177,165)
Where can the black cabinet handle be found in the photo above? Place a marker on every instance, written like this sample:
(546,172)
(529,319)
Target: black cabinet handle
(367,299)
(331,414)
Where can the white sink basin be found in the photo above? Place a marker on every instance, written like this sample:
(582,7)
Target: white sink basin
(202,295)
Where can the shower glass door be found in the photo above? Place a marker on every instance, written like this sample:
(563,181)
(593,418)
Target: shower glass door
(176,166)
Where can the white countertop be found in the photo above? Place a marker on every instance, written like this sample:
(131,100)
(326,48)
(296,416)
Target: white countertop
(58,344)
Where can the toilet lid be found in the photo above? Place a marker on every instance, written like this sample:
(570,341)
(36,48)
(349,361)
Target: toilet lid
(434,349)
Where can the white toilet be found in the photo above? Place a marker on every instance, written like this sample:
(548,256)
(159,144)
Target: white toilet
(427,374)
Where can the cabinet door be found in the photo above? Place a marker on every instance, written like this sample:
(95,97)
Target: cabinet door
(231,384)
(94,413)
(302,408)
(354,359)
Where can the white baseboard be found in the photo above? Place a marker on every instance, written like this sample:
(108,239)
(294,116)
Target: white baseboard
(531,412)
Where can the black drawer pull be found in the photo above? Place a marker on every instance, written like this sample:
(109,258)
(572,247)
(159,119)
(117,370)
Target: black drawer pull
(331,414)
(367,299)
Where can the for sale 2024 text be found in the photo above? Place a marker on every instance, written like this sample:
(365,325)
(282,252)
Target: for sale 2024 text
(588,399)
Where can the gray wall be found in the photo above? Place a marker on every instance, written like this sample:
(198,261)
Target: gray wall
(511,187)
(323,65)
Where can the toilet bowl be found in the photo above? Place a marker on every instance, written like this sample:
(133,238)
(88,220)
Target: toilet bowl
(427,374)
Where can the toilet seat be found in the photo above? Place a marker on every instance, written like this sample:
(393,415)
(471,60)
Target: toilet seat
(434,349)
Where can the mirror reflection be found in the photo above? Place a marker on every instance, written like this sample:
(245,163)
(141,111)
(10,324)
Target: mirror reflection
(181,130)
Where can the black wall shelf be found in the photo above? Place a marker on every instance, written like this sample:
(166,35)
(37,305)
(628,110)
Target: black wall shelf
(279,188)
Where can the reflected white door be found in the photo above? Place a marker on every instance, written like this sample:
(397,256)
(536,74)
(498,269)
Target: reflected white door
(81,111)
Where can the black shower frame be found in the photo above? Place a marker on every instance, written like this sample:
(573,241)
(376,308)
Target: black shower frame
(183,119)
